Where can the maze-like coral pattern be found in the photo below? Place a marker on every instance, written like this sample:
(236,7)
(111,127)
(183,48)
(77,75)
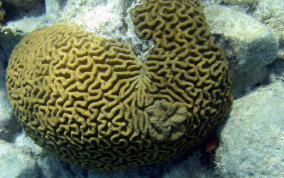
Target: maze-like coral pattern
(185,63)
(93,103)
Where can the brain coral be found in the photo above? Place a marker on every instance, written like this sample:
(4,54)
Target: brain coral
(93,103)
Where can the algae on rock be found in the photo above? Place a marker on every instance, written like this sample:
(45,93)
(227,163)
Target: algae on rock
(252,140)
(249,46)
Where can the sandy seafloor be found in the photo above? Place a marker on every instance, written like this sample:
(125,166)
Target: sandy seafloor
(251,138)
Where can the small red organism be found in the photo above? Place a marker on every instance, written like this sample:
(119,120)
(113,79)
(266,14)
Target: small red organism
(212,145)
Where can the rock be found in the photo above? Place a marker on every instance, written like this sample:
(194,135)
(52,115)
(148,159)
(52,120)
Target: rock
(249,45)
(252,140)
(8,124)
(48,165)
(110,19)
(109,16)
(27,145)
(276,70)
(192,167)
(14,163)
(271,12)
(19,8)
(9,39)
(52,167)
(237,1)
(28,24)
(25,4)
(94,15)
(53,7)
(239,5)
(267,9)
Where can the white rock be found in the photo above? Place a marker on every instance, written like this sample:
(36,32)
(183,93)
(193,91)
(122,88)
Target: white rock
(252,140)
(271,12)
(8,124)
(109,18)
(14,163)
(100,17)
(249,45)
(267,9)
(48,165)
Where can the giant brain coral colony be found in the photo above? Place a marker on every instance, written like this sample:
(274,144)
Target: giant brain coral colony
(92,102)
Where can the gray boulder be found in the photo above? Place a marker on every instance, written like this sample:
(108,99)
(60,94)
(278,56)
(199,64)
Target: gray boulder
(8,124)
(271,12)
(249,45)
(9,39)
(17,8)
(252,140)
(239,5)
(48,165)
(14,163)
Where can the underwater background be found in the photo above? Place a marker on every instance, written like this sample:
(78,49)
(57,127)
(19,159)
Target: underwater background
(251,139)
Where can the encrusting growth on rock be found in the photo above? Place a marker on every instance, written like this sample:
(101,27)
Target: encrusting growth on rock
(93,103)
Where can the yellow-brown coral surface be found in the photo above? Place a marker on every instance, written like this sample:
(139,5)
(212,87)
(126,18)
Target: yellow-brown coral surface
(93,103)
